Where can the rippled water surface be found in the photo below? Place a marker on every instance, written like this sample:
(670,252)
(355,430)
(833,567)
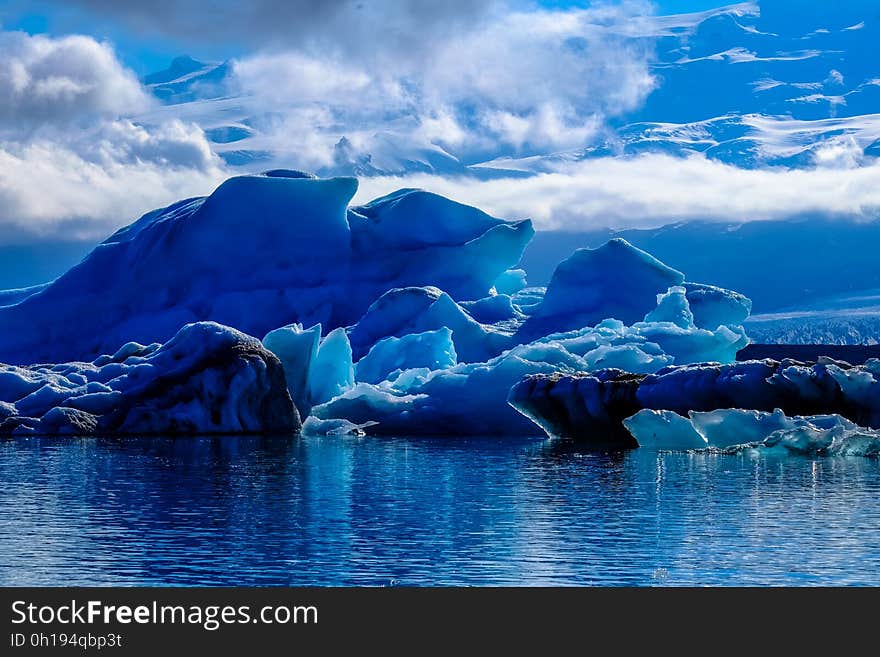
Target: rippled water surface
(282,511)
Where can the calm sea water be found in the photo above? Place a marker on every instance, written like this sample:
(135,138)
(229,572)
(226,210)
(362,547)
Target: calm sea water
(370,511)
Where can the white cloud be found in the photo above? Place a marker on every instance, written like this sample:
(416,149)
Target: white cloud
(69,166)
(61,189)
(59,80)
(515,82)
(652,190)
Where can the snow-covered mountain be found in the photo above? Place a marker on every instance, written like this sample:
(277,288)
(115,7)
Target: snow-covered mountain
(775,83)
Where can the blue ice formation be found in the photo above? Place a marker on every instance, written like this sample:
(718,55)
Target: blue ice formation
(402,311)
(261,252)
(740,430)
(296,349)
(433,350)
(207,379)
(616,280)
(331,372)
(472,397)
(419,320)
(726,405)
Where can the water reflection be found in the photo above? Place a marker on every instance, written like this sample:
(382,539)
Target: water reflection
(291,511)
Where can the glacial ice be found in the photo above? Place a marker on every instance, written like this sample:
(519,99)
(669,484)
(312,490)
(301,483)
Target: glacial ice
(433,350)
(616,280)
(727,403)
(419,322)
(664,430)
(296,348)
(672,306)
(738,430)
(332,371)
(471,397)
(492,309)
(207,379)
(510,282)
(317,427)
(260,252)
(403,311)
(714,306)
(455,247)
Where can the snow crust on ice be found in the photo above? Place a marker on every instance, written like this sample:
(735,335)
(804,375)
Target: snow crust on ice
(207,379)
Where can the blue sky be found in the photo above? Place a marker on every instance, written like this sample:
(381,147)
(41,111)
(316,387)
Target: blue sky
(151,51)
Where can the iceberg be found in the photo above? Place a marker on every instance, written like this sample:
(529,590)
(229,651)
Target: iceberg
(674,307)
(738,430)
(207,379)
(510,282)
(455,247)
(419,321)
(615,280)
(331,372)
(761,391)
(403,311)
(664,430)
(714,306)
(472,396)
(296,349)
(262,251)
(432,350)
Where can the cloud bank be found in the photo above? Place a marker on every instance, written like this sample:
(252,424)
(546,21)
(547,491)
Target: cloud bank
(513,83)
(653,190)
(60,80)
(69,166)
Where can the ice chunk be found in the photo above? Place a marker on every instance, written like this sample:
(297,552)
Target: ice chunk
(664,430)
(510,281)
(493,309)
(467,399)
(296,349)
(819,436)
(460,249)
(796,389)
(672,307)
(714,306)
(627,357)
(207,379)
(314,426)
(332,370)
(403,311)
(616,280)
(432,350)
(740,430)
(725,428)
